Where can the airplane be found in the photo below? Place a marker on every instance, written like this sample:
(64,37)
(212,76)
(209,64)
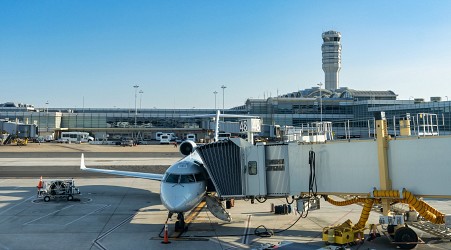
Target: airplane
(184,184)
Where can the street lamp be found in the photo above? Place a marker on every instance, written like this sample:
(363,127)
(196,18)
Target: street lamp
(215,92)
(136,110)
(47,113)
(223,88)
(320,102)
(140,98)
(446,97)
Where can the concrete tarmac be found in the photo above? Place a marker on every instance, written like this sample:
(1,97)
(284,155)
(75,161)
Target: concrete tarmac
(126,213)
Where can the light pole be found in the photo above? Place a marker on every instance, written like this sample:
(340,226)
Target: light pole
(136,110)
(47,120)
(320,102)
(446,97)
(223,87)
(140,98)
(215,92)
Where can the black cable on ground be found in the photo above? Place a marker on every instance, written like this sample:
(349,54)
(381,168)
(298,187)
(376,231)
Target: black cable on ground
(313,188)
(257,232)
(292,200)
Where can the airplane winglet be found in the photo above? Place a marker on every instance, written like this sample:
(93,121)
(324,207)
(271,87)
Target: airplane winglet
(82,162)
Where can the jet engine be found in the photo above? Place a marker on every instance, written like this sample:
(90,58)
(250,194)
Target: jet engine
(187,147)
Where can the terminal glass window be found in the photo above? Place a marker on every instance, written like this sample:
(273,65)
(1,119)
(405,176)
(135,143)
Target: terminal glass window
(252,167)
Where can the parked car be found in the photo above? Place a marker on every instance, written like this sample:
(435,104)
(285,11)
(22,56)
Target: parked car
(125,143)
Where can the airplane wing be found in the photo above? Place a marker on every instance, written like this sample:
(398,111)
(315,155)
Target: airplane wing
(157,177)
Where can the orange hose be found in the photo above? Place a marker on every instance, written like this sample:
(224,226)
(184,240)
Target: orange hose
(345,202)
(364,215)
(427,211)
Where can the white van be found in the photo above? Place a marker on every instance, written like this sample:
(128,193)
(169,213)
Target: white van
(76,137)
(165,139)
(191,137)
(158,135)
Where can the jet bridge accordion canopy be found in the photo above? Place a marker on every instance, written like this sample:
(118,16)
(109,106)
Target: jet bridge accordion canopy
(222,161)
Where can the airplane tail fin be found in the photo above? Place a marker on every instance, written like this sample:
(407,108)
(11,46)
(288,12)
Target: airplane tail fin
(82,162)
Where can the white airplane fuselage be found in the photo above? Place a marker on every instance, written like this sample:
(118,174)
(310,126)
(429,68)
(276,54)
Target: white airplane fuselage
(183,185)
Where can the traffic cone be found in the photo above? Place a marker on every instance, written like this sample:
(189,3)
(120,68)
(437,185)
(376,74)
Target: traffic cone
(166,238)
(40,184)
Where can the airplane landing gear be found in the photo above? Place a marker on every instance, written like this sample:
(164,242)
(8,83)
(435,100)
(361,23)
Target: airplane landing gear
(180,223)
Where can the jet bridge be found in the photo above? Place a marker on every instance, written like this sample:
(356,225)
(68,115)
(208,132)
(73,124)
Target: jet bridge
(381,171)
(18,130)
(240,169)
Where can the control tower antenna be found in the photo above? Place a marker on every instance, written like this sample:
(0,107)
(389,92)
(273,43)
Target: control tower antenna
(331,49)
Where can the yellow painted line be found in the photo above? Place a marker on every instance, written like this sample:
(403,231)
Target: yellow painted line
(195,212)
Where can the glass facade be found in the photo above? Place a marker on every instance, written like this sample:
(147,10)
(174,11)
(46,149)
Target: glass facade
(345,113)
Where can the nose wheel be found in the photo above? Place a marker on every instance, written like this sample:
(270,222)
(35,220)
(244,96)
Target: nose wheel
(180,223)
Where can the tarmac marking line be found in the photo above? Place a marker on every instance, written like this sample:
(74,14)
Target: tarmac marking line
(96,241)
(247,224)
(105,206)
(17,204)
(54,212)
(228,245)
(195,212)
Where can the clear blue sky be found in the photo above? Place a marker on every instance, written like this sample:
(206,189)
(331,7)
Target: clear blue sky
(180,52)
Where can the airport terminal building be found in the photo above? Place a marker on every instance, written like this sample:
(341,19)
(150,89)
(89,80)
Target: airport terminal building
(350,111)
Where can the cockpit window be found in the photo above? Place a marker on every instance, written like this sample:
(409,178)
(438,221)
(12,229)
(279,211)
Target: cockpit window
(172,178)
(199,177)
(184,178)
(187,178)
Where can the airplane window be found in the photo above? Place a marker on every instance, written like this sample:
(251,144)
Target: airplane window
(187,178)
(172,178)
(199,177)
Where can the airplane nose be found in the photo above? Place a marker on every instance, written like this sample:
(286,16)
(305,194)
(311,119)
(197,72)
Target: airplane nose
(174,197)
(181,198)
(174,203)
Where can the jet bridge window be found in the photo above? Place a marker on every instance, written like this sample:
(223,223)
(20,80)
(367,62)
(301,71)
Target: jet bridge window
(252,167)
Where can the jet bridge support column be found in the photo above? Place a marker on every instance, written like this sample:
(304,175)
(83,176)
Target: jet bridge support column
(382,146)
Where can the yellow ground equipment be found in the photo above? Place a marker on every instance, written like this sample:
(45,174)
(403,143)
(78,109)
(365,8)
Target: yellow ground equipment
(21,142)
(343,234)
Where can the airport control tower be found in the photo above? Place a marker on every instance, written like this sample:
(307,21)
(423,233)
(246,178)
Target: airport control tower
(331,49)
